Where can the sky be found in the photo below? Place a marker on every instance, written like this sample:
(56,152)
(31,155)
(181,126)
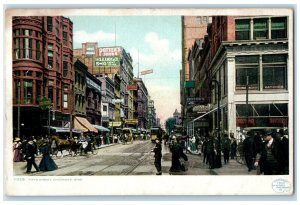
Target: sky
(154,42)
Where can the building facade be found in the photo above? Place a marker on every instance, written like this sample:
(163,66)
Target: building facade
(80,89)
(142,104)
(194,28)
(151,114)
(250,65)
(43,73)
(93,98)
(107,100)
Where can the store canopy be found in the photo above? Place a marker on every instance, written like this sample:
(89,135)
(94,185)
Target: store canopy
(63,129)
(101,128)
(84,125)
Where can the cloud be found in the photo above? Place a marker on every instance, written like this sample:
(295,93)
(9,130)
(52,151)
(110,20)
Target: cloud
(160,57)
(99,36)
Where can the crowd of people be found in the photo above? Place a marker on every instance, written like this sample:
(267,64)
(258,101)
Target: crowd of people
(29,148)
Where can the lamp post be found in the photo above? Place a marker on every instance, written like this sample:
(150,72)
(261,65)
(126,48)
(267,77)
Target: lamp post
(218,159)
(19,109)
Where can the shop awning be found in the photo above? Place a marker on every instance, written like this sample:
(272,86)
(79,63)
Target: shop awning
(101,128)
(84,125)
(63,129)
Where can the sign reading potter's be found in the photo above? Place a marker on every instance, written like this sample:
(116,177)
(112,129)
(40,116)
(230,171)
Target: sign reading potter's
(108,61)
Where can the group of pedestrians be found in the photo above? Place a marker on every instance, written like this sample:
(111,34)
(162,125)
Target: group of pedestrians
(210,146)
(28,150)
(267,153)
(178,156)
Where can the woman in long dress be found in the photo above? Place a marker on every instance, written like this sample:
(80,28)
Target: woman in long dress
(17,149)
(47,163)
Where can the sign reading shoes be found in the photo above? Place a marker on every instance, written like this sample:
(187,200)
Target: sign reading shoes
(107,61)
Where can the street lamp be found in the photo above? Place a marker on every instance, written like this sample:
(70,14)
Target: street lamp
(218,158)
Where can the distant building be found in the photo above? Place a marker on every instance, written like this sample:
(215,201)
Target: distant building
(142,103)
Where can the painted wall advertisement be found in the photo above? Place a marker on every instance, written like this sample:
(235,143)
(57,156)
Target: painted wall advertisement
(107,61)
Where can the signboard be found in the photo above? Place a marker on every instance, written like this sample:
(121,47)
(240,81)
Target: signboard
(118,101)
(201,108)
(132,87)
(90,50)
(195,101)
(91,83)
(278,121)
(145,72)
(109,51)
(131,121)
(189,84)
(113,61)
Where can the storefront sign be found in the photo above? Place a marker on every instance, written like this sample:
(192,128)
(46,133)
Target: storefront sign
(145,72)
(278,121)
(132,87)
(242,122)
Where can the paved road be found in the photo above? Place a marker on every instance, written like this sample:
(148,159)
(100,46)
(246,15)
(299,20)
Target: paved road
(130,159)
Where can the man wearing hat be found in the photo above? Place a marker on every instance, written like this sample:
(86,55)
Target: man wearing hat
(30,152)
(270,158)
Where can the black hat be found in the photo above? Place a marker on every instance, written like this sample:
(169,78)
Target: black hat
(268,132)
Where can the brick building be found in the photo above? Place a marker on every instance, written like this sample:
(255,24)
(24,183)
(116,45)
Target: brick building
(42,69)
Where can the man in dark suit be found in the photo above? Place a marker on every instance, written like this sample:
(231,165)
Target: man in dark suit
(157,156)
(270,159)
(30,152)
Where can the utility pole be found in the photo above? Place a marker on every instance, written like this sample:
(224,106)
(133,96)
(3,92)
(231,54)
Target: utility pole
(247,100)
(19,109)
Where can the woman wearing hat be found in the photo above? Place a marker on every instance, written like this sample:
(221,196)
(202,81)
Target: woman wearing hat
(17,148)
(47,163)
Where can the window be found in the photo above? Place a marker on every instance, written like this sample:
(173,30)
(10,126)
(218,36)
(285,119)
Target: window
(278,28)
(260,29)
(204,19)
(50,93)
(242,29)
(38,52)
(65,71)
(17,48)
(65,100)
(50,59)
(247,66)
(65,38)
(57,27)
(198,19)
(17,91)
(39,89)
(274,71)
(27,43)
(57,97)
(49,23)
(104,108)
(27,91)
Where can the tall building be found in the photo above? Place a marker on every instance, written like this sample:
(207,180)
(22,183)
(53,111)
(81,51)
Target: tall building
(250,64)
(142,104)
(43,73)
(151,114)
(116,63)
(194,28)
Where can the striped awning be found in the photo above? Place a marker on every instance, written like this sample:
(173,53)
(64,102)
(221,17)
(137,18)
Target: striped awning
(84,125)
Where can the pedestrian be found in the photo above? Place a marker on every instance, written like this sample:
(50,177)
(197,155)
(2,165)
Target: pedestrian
(193,144)
(204,149)
(211,151)
(177,154)
(233,146)
(226,148)
(249,151)
(17,149)
(270,159)
(30,152)
(157,156)
(47,163)
(285,147)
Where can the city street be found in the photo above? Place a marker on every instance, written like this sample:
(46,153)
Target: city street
(129,159)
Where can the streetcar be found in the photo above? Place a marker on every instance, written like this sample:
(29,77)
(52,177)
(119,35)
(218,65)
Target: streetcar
(155,133)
